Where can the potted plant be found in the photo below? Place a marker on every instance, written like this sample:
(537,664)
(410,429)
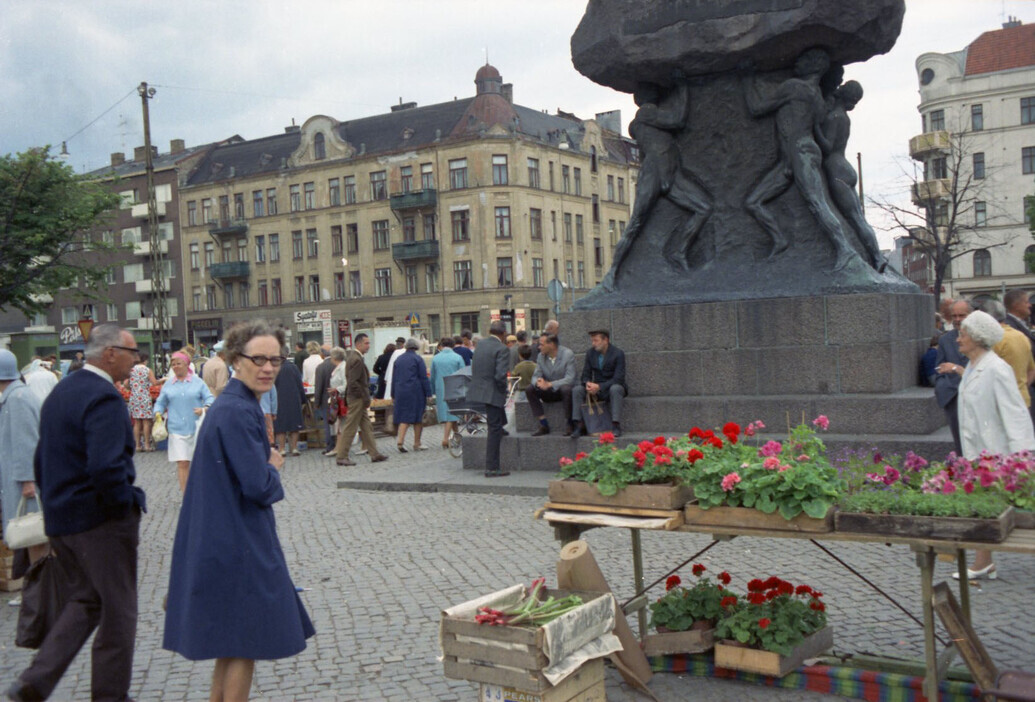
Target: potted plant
(772,629)
(685,617)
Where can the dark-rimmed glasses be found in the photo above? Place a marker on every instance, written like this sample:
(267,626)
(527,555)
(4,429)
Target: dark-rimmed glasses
(131,349)
(261,361)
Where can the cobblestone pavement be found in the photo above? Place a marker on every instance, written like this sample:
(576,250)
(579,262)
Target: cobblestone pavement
(380,565)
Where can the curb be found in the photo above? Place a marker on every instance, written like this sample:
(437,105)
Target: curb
(496,489)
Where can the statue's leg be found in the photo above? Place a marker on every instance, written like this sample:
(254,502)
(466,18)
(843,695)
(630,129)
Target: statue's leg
(692,197)
(773,183)
(647,193)
(846,201)
(808,175)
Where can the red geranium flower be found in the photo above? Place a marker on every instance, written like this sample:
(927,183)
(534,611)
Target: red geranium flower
(659,440)
(803,590)
(698,569)
(645,445)
(672,581)
(696,433)
(716,442)
(640,457)
(607,437)
(817,605)
(724,578)
(756,598)
(731,428)
(693,455)
(764,623)
(785,588)
(728,601)
(772,581)
(755,585)
(772,595)
(817,593)
(580,455)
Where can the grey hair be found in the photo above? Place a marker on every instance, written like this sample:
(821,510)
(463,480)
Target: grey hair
(994,308)
(337,353)
(101,337)
(983,329)
(411,344)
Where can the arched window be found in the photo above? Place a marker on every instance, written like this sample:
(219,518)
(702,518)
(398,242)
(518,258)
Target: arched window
(982,263)
(319,150)
(1029,259)
(593,159)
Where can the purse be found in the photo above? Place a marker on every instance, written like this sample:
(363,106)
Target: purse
(597,416)
(332,407)
(25,529)
(159,431)
(430,417)
(42,602)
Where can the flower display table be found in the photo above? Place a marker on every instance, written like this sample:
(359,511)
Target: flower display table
(732,655)
(949,528)
(749,518)
(666,496)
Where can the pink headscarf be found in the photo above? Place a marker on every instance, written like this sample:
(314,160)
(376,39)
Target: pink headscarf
(186,359)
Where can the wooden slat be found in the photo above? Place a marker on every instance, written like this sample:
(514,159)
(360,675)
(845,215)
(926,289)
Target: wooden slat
(599,509)
(505,634)
(615,520)
(462,670)
(526,658)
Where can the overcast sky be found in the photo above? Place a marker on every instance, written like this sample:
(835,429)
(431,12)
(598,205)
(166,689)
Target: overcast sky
(250,67)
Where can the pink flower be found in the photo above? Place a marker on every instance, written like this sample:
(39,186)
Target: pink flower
(968,487)
(822,422)
(914,462)
(565,461)
(874,477)
(802,458)
(749,430)
(890,475)
(783,467)
(729,481)
(758,424)
(986,478)
(771,463)
(949,487)
(770,448)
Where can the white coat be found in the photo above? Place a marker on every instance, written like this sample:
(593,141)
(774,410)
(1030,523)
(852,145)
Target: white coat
(992,414)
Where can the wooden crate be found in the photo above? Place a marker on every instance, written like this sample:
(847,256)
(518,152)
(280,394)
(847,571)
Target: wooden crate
(749,518)
(949,528)
(693,641)
(7,583)
(752,660)
(506,656)
(667,496)
(584,685)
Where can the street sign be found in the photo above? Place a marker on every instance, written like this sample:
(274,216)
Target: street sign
(413,319)
(554,290)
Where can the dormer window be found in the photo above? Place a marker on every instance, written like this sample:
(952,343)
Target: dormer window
(319,148)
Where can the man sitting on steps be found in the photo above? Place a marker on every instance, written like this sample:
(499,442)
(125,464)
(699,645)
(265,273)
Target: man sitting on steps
(552,381)
(603,377)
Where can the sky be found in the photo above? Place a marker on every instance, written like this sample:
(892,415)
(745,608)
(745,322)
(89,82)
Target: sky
(69,69)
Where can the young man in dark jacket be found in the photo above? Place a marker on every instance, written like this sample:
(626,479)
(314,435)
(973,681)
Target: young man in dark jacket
(603,378)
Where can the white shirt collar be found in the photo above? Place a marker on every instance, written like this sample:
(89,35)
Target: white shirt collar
(99,371)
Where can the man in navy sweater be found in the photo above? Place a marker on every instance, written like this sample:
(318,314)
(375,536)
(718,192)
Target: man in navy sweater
(84,473)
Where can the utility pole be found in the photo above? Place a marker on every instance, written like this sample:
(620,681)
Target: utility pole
(159,310)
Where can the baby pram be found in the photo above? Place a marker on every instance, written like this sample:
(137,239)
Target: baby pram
(470,416)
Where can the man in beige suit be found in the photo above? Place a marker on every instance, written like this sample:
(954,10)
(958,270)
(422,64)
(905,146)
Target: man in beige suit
(352,379)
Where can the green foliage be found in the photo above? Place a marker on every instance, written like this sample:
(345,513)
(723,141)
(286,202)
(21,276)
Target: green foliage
(614,468)
(45,213)
(774,616)
(957,504)
(680,607)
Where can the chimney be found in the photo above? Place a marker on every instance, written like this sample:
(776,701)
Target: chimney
(403,106)
(611,121)
(177,146)
(507,91)
(139,153)
(292,129)
(1011,22)
(117,159)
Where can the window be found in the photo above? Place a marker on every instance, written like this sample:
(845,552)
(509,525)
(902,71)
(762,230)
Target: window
(226,254)
(463,278)
(460,222)
(129,198)
(611,188)
(502,222)
(256,203)
(582,274)
(295,198)
(1029,259)
(239,205)
(312,243)
(569,274)
(980,214)
(228,297)
(936,118)
(538,318)
(621,190)
(982,263)
(1027,110)
(378,185)
(593,159)
(319,147)
(310,196)
(206,210)
(264,294)
(556,269)
(598,253)
(499,169)
(979,165)
(550,174)
(271,201)
(427,177)
(382,282)
(579,230)
(210,301)
(296,244)
(937,168)
(565,179)
(596,209)
(336,240)
(299,288)
(133,311)
(260,249)
(612,231)
(533,173)
(192,213)
(275,292)
(535,224)
(274,248)
(210,254)
(246,294)
(429,227)
(578,181)
(355,284)
(537,273)
(409,225)
(339,286)
(69,315)
(431,277)
(334,191)
(458,173)
(196,300)
(195,257)
(406,178)
(411,279)
(553,225)
(567,227)
(350,189)
(242,249)
(352,237)
(109,276)
(381,235)
(977,117)
(1028,159)
(314,288)
(464,320)
(505,272)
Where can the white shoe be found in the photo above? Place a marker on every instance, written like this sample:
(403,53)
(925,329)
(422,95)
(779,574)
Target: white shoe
(332,452)
(986,573)
(16,602)
(361,452)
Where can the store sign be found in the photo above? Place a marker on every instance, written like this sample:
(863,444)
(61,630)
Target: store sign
(315,320)
(71,335)
(344,334)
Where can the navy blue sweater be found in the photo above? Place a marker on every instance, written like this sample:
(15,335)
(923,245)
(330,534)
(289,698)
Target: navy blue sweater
(84,459)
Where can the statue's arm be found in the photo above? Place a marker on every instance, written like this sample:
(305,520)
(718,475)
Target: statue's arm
(826,145)
(673,111)
(756,104)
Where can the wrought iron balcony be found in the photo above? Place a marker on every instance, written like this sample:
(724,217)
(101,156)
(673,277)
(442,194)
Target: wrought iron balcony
(230,270)
(414,200)
(415,250)
(228,227)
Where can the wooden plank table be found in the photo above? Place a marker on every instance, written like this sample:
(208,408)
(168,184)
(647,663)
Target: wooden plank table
(569,527)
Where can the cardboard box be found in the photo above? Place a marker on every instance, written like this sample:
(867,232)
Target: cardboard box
(584,685)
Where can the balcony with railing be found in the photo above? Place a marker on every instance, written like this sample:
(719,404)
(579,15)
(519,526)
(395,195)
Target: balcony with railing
(230,270)
(139,210)
(928,190)
(228,227)
(922,145)
(415,250)
(414,200)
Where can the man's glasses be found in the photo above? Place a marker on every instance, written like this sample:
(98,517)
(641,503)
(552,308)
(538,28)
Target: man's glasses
(132,350)
(261,361)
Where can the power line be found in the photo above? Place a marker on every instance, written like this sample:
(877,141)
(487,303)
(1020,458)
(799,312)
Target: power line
(245,94)
(94,121)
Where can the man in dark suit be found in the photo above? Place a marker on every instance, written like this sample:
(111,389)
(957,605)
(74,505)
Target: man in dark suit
(1018,312)
(603,377)
(949,366)
(488,386)
(85,474)
(321,389)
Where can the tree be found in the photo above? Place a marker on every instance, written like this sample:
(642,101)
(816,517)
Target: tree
(950,216)
(46,243)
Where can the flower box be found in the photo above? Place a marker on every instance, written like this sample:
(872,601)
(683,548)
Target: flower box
(749,518)
(662,496)
(670,642)
(734,656)
(1023,519)
(920,526)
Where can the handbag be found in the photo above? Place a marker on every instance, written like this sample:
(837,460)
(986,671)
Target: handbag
(596,416)
(158,431)
(198,421)
(430,417)
(332,407)
(42,602)
(25,529)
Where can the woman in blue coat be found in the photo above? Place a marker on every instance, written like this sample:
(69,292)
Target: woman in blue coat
(446,362)
(19,432)
(230,594)
(410,393)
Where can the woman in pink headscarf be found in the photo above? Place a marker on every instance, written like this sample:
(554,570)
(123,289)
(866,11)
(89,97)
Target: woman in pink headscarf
(183,399)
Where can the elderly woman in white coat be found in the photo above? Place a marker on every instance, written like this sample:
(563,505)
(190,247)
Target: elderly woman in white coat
(993,417)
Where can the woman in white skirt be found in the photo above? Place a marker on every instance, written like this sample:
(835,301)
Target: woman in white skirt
(183,399)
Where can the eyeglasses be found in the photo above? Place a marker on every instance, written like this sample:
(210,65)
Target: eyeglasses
(132,349)
(260,361)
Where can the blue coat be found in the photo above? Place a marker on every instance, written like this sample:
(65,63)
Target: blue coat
(178,400)
(290,398)
(446,362)
(410,388)
(230,593)
(19,432)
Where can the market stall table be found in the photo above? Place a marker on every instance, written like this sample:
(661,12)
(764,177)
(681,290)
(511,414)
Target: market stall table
(568,525)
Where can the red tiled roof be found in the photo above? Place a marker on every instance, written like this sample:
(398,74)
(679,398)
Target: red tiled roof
(1001,50)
